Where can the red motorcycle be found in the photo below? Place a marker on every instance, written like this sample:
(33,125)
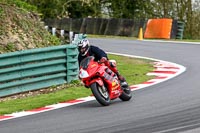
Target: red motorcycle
(104,83)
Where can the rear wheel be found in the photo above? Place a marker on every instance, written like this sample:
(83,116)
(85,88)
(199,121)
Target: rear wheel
(126,94)
(100,93)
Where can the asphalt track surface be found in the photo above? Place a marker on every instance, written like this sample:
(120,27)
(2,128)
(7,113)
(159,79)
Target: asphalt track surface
(168,107)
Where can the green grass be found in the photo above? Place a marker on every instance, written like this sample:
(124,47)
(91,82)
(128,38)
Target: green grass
(109,36)
(134,70)
(135,38)
(42,100)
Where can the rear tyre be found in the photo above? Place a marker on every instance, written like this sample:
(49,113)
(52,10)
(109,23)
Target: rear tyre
(126,94)
(101,94)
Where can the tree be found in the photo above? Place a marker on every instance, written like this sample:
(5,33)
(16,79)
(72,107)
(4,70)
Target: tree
(183,10)
(124,8)
(67,8)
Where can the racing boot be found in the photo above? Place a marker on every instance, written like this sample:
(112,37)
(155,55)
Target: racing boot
(120,77)
(123,82)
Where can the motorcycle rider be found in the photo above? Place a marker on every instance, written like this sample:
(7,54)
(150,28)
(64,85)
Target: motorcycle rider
(85,49)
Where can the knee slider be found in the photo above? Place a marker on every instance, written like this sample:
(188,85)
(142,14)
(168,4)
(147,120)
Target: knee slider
(112,63)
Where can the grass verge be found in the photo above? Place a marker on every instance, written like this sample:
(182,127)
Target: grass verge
(134,70)
(135,38)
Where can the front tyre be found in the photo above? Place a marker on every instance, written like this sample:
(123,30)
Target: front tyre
(100,93)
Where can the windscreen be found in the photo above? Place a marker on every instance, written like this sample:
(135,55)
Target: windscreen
(85,62)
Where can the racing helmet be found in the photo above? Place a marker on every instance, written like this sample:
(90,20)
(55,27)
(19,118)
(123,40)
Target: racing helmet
(83,47)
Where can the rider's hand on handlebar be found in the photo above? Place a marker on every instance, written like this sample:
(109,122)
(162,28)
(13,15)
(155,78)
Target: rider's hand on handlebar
(103,60)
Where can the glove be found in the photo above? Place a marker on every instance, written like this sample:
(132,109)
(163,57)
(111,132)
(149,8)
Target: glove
(103,60)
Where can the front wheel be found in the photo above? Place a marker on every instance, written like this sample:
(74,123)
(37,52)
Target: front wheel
(101,94)
(126,94)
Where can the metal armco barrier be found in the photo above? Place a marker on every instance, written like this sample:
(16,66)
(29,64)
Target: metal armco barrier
(37,68)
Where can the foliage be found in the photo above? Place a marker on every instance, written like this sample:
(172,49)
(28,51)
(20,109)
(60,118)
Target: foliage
(67,8)
(122,9)
(187,11)
(22,29)
(20,4)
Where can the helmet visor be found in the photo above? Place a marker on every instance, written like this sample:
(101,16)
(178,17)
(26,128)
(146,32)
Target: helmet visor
(82,49)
